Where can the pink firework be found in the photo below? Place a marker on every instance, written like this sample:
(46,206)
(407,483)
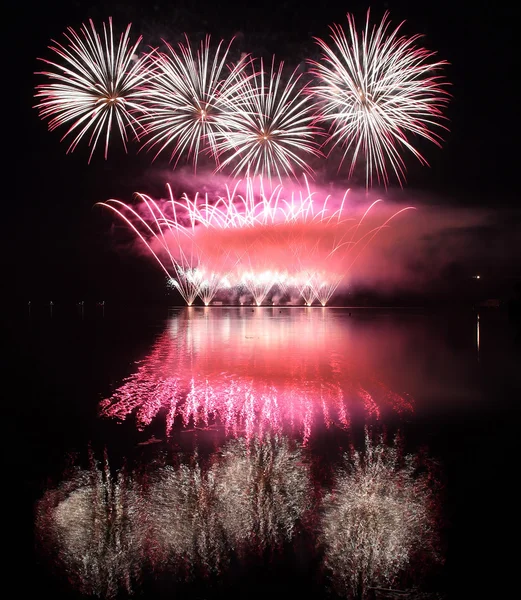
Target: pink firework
(94,86)
(377,91)
(256,240)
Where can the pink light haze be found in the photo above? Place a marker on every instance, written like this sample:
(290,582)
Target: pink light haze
(256,240)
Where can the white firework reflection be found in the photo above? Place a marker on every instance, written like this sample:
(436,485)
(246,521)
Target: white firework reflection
(93,525)
(379,517)
(263,489)
(185,525)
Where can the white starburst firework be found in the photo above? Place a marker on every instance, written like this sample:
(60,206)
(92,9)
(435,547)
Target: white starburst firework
(376,91)
(271,131)
(95,86)
(188,97)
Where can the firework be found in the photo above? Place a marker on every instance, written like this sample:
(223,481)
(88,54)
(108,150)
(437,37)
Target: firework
(253,239)
(94,87)
(188,98)
(378,517)
(377,90)
(253,495)
(271,126)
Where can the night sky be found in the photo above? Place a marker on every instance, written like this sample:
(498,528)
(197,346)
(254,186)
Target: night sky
(58,246)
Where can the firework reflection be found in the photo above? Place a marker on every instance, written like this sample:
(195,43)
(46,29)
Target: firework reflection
(104,529)
(185,525)
(379,518)
(93,524)
(262,490)
(263,372)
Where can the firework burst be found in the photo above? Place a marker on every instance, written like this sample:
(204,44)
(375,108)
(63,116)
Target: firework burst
(376,91)
(270,126)
(95,86)
(188,97)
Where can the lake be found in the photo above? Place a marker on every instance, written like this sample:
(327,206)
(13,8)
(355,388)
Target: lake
(232,451)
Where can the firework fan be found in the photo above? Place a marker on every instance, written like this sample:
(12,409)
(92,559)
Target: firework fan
(254,241)
(376,91)
(270,126)
(189,95)
(94,87)
(379,517)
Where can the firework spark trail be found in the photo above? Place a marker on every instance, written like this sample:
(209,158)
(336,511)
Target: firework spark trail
(96,86)
(93,524)
(188,98)
(270,126)
(256,240)
(379,516)
(244,390)
(376,91)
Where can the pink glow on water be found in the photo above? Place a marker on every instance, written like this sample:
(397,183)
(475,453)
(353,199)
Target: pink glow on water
(248,372)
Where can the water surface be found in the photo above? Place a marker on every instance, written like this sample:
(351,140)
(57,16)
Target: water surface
(198,386)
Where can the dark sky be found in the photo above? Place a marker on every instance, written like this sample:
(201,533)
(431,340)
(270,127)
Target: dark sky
(58,245)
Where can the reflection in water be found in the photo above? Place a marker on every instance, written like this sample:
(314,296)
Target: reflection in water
(92,525)
(377,523)
(102,528)
(378,519)
(185,527)
(477,334)
(262,490)
(253,371)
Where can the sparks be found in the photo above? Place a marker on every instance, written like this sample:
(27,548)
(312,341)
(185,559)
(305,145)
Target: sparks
(376,91)
(188,98)
(95,86)
(253,238)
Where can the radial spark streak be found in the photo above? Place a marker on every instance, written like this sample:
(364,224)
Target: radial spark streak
(378,90)
(94,86)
